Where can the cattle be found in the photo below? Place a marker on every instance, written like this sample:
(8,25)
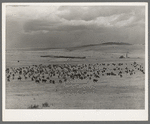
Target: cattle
(37,81)
(19,78)
(95,80)
(44,80)
(64,72)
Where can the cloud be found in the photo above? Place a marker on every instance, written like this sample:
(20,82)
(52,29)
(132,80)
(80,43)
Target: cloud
(92,12)
(35,25)
(32,12)
(43,26)
(50,17)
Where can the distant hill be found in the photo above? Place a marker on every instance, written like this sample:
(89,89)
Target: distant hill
(96,45)
(115,43)
(82,47)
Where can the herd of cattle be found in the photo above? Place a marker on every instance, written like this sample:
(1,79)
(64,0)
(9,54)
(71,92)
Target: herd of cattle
(59,73)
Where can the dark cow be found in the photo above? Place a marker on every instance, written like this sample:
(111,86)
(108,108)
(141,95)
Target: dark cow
(44,80)
(95,80)
(19,78)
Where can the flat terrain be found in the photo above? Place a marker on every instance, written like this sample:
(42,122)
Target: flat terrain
(108,92)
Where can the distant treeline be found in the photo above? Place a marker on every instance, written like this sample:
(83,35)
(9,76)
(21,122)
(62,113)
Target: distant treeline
(72,57)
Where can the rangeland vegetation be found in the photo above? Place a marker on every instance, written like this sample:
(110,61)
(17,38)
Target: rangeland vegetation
(84,84)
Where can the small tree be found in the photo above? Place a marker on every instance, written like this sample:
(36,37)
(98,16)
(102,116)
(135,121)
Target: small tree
(121,57)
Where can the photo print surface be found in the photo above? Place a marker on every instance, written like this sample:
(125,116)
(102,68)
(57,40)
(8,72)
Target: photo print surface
(75,57)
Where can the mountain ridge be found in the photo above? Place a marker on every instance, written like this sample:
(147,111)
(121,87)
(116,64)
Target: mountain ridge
(79,47)
(101,44)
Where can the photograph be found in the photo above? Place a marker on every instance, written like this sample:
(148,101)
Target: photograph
(79,57)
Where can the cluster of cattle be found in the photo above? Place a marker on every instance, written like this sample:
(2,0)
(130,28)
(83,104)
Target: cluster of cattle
(63,72)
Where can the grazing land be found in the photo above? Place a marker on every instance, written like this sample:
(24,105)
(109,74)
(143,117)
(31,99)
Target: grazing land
(60,79)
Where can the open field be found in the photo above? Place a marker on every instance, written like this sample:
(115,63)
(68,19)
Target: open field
(116,86)
(119,93)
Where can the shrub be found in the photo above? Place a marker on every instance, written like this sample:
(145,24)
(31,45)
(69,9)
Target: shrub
(33,107)
(121,57)
(45,104)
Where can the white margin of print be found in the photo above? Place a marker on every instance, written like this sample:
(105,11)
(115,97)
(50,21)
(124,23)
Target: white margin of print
(75,114)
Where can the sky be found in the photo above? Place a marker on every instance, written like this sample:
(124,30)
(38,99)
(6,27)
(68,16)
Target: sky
(30,26)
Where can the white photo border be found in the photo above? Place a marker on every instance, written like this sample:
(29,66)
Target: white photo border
(75,114)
